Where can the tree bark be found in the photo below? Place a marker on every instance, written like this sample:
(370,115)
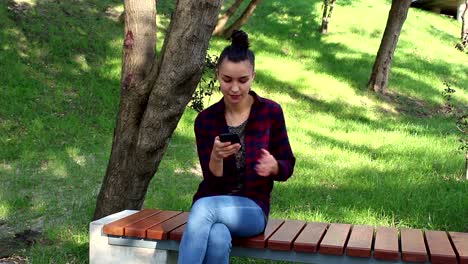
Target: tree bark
(242,19)
(324,27)
(225,17)
(466,165)
(328,6)
(153,95)
(379,77)
(464,32)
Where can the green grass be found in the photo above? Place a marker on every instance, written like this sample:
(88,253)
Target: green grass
(361,158)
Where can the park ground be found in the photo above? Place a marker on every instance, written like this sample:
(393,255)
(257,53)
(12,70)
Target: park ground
(388,160)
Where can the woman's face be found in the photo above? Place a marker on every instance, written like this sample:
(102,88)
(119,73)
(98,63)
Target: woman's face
(235,79)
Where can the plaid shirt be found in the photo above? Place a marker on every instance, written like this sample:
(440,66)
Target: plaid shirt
(265,129)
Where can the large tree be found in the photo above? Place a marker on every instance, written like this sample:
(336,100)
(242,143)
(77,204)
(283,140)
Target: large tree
(396,18)
(154,94)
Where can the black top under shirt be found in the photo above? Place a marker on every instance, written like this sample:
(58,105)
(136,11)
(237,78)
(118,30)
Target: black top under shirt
(240,157)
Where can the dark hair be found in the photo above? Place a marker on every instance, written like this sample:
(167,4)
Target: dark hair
(238,50)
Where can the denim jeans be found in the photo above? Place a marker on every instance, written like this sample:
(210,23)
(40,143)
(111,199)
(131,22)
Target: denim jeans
(212,221)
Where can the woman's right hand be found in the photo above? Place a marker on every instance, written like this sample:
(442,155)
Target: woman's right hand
(223,150)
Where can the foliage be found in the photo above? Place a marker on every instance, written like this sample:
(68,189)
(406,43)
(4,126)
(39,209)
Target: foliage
(460,114)
(206,86)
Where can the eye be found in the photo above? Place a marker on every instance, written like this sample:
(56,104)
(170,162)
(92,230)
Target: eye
(227,80)
(244,80)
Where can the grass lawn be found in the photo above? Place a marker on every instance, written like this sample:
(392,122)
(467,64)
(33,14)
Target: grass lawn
(361,159)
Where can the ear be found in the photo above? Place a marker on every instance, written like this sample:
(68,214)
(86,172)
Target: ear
(253,75)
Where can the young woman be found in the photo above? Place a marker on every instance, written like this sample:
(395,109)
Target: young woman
(234,197)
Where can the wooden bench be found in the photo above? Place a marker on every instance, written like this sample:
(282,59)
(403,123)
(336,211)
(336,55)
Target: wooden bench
(300,241)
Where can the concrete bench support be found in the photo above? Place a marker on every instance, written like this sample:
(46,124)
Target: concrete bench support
(102,252)
(293,256)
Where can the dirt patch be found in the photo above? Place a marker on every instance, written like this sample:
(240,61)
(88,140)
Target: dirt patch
(9,246)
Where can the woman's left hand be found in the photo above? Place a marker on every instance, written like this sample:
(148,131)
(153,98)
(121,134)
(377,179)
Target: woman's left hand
(267,164)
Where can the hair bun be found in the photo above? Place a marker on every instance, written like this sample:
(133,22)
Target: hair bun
(240,39)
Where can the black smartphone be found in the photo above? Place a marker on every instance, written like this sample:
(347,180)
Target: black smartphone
(229,137)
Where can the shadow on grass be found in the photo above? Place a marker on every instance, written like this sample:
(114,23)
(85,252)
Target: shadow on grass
(439,33)
(369,194)
(348,113)
(290,21)
(59,73)
(56,119)
(177,178)
(58,115)
(58,62)
(383,198)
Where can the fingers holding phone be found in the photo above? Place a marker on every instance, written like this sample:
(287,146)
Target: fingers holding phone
(225,145)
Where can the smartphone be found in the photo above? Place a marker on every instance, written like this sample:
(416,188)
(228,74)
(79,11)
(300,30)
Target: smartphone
(229,137)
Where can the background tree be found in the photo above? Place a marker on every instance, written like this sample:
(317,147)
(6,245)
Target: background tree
(154,94)
(464,31)
(328,6)
(248,12)
(222,20)
(396,18)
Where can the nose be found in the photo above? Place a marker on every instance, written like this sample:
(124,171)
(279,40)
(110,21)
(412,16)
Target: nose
(235,87)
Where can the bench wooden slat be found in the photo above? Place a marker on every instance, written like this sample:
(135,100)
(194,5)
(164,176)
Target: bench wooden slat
(116,228)
(334,240)
(260,241)
(360,241)
(161,231)
(460,241)
(386,243)
(413,247)
(176,234)
(309,239)
(284,237)
(139,228)
(435,246)
(440,249)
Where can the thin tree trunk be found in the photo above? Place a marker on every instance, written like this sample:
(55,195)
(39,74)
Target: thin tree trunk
(242,19)
(153,96)
(466,165)
(327,13)
(379,77)
(225,17)
(464,32)
(324,27)
(332,5)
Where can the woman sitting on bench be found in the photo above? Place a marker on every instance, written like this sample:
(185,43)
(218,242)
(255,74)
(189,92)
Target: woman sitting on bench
(234,197)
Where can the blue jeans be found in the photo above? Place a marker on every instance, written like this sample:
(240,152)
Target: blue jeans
(212,221)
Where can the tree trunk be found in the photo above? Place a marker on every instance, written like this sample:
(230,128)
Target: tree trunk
(466,166)
(242,19)
(324,27)
(379,77)
(328,6)
(464,32)
(225,17)
(154,94)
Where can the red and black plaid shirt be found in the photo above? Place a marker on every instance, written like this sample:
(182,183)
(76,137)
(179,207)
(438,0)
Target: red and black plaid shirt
(265,129)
